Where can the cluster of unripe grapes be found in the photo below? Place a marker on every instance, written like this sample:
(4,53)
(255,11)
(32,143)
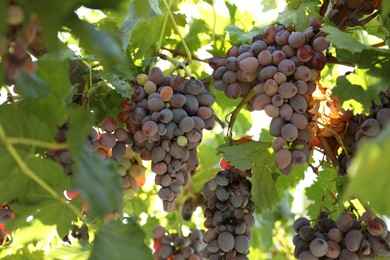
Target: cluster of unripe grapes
(14,44)
(345,238)
(349,13)
(177,247)
(281,67)
(364,127)
(229,215)
(165,118)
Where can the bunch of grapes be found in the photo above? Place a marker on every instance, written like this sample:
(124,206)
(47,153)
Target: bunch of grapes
(174,246)
(281,68)
(112,143)
(349,13)
(364,127)
(345,238)
(5,214)
(165,118)
(14,44)
(229,215)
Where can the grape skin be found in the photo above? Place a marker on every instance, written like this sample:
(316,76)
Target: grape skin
(283,158)
(289,132)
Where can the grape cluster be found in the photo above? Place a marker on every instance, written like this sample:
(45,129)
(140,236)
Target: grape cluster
(346,238)
(364,127)
(14,44)
(229,215)
(5,214)
(174,246)
(281,67)
(165,118)
(349,13)
(112,143)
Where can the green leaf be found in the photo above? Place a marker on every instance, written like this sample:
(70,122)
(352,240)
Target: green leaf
(120,240)
(385,14)
(78,250)
(97,42)
(269,5)
(25,188)
(369,173)
(80,125)
(358,89)
(192,38)
(47,209)
(238,36)
(121,86)
(19,124)
(320,191)
(146,10)
(51,110)
(97,182)
(30,85)
(257,156)
(298,13)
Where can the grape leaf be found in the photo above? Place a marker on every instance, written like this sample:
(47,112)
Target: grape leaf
(23,187)
(51,110)
(80,125)
(45,208)
(298,13)
(385,7)
(269,5)
(31,85)
(369,172)
(79,250)
(358,89)
(97,182)
(98,42)
(119,240)
(258,157)
(320,191)
(238,36)
(192,39)
(149,10)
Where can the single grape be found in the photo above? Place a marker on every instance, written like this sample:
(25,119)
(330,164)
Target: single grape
(191,105)
(233,91)
(118,151)
(277,100)
(267,73)
(305,53)
(283,158)
(229,77)
(261,101)
(371,127)
(205,98)
(108,124)
(287,67)
(344,222)
(299,120)
(226,241)
(249,64)
(320,44)
(205,112)
(107,140)
(353,240)
(257,47)
(270,87)
(289,51)
(241,244)
(383,116)
(298,157)
(334,250)
(166,93)
(277,57)
(150,128)
(287,90)
(156,75)
(269,34)
(155,104)
(271,110)
(296,40)
(289,132)
(276,126)
(280,78)
(265,58)
(318,61)
(286,112)
(302,73)
(318,247)
(299,223)
(150,87)
(281,37)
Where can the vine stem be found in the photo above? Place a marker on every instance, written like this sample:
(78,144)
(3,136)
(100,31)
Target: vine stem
(233,115)
(27,141)
(163,28)
(178,31)
(29,173)
(176,63)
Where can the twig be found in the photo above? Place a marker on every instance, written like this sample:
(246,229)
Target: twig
(179,53)
(176,63)
(219,121)
(233,115)
(27,141)
(178,31)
